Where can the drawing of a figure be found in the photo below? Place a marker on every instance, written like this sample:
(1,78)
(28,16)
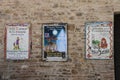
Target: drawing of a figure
(16,44)
(104,43)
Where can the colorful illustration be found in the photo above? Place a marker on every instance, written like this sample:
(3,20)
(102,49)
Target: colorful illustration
(55,42)
(99,40)
(103,43)
(16,44)
(17,41)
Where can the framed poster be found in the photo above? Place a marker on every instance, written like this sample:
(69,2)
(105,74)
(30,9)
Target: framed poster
(17,41)
(99,40)
(55,42)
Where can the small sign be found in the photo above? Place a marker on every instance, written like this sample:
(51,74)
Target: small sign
(17,41)
(55,42)
(99,40)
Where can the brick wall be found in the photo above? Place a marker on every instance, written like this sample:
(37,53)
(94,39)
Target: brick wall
(73,12)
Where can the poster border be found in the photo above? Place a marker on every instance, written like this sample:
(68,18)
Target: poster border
(66,26)
(5,39)
(112,39)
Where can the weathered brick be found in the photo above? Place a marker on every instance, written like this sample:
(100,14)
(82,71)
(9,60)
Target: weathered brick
(73,12)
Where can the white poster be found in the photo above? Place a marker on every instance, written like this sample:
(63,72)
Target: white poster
(99,40)
(17,41)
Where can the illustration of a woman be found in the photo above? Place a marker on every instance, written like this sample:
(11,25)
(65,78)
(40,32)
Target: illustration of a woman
(104,43)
